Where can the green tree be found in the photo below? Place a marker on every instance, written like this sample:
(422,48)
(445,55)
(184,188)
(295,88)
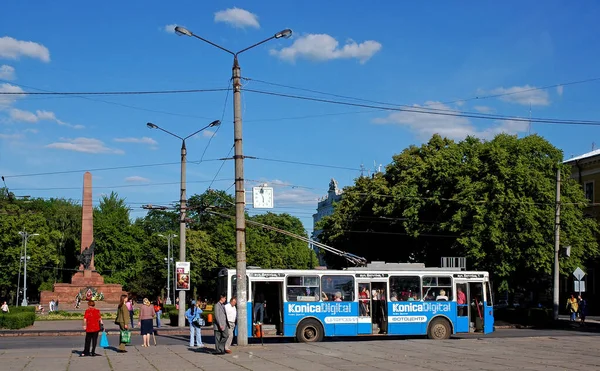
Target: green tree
(489,201)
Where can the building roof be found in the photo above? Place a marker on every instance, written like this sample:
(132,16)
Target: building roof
(584,156)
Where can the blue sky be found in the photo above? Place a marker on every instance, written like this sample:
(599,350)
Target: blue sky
(414,53)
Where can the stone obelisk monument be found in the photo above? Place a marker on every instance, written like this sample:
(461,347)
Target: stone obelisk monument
(87,281)
(87,219)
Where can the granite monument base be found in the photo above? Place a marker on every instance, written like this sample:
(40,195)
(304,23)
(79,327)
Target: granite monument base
(66,293)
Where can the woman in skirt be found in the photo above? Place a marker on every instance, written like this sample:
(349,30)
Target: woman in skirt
(147,315)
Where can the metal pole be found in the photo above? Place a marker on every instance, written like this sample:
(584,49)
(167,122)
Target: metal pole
(240,203)
(183,200)
(24,302)
(20,262)
(168,301)
(556,248)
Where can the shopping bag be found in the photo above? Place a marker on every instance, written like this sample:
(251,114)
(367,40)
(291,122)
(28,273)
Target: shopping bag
(125,336)
(104,340)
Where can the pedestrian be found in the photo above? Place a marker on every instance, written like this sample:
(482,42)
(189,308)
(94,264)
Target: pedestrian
(5,307)
(572,307)
(121,320)
(259,307)
(56,305)
(177,303)
(231,311)
(582,310)
(194,319)
(131,309)
(221,325)
(92,322)
(51,306)
(158,309)
(147,315)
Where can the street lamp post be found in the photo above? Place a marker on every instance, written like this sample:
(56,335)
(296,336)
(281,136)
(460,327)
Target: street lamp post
(25,236)
(182,206)
(168,259)
(240,202)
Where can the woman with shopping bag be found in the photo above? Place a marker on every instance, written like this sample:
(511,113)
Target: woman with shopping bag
(122,317)
(92,321)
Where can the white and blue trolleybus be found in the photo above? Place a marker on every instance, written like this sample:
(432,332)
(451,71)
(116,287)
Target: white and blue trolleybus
(378,299)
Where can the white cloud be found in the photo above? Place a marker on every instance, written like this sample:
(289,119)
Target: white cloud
(208,133)
(525,95)
(322,47)
(454,127)
(86,145)
(483,109)
(142,140)
(10,136)
(7,100)
(559,90)
(136,179)
(39,115)
(7,72)
(170,28)
(237,17)
(14,49)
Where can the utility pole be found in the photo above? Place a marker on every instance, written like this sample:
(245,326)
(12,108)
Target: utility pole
(20,262)
(169,260)
(25,258)
(183,205)
(556,248)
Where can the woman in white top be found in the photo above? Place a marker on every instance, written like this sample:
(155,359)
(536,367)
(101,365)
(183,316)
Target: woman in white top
(5,308)
(442,296)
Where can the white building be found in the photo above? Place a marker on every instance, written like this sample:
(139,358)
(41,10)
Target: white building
(325,208)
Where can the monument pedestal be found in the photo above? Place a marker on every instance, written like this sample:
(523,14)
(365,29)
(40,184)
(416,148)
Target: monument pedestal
(81,282)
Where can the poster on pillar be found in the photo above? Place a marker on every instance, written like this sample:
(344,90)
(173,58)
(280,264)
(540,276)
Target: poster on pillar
(182,271)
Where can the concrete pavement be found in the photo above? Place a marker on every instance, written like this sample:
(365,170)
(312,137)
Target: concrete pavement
(546,353)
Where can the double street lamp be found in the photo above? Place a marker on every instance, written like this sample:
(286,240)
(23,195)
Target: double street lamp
(182,206)
(240,202)
(169,260)
(25,258)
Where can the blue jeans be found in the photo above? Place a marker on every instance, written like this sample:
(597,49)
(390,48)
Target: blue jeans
(131,318)
(158,314)
(259,308)
(573,315)
(195,332)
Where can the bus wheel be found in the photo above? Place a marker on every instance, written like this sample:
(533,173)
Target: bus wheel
(309,331)
(439,329)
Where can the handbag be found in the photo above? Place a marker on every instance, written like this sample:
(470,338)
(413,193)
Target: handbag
(104,340)
(125,336)
(197,322)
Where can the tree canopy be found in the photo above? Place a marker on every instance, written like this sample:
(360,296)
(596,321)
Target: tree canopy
(492,202)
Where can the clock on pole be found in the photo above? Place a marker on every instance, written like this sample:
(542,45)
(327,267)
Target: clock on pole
(262,197)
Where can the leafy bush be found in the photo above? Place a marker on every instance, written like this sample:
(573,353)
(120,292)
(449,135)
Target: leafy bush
(17,320)
(21,310)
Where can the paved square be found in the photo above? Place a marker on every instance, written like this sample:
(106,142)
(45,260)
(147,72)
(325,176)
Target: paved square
(532,353)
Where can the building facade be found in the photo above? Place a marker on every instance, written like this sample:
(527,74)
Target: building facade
(325,208)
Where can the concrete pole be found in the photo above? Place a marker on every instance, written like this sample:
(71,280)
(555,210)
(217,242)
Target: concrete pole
(183,206)
(20,262)
(555,301)
(240,203)
(24,302)
(168,301)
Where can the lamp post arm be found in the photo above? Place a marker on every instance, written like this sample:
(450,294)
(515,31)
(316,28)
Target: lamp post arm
(168,132)
(197,131)
(252,46)
(213,44)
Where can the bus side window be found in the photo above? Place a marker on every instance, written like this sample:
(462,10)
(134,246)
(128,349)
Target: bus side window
(303,288)
(405,288)
(337,288)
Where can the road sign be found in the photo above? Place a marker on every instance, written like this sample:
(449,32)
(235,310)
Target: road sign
(579,274)
(579,286)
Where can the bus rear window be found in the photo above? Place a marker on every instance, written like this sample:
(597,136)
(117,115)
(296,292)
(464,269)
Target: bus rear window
(303,288)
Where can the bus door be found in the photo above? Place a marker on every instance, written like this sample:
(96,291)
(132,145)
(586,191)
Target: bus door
(476,307)
(462,305)
(488,309)
(364,308)
(267,302)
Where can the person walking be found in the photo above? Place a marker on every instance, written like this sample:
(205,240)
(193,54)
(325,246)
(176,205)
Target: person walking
(221,325)
(131,309)
(582,310)
(158,308)
(92,320)
(5,308)
(572,307)
(231,311)
(122,320)
(193,316)
(147,315)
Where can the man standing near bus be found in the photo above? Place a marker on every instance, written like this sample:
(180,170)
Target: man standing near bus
(221,326)
(231,311)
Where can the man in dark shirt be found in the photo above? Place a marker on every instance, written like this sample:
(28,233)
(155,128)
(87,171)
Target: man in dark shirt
(221,325)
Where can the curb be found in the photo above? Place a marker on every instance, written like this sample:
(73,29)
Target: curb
(30,333)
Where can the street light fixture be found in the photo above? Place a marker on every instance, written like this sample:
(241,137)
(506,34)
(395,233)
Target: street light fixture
(240,202)
(25,258)
(168,259)
(182,206)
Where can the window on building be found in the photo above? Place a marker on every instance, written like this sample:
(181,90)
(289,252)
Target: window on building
(405,288)
(588,187)
(437,288)
(337,288)
(303,288)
